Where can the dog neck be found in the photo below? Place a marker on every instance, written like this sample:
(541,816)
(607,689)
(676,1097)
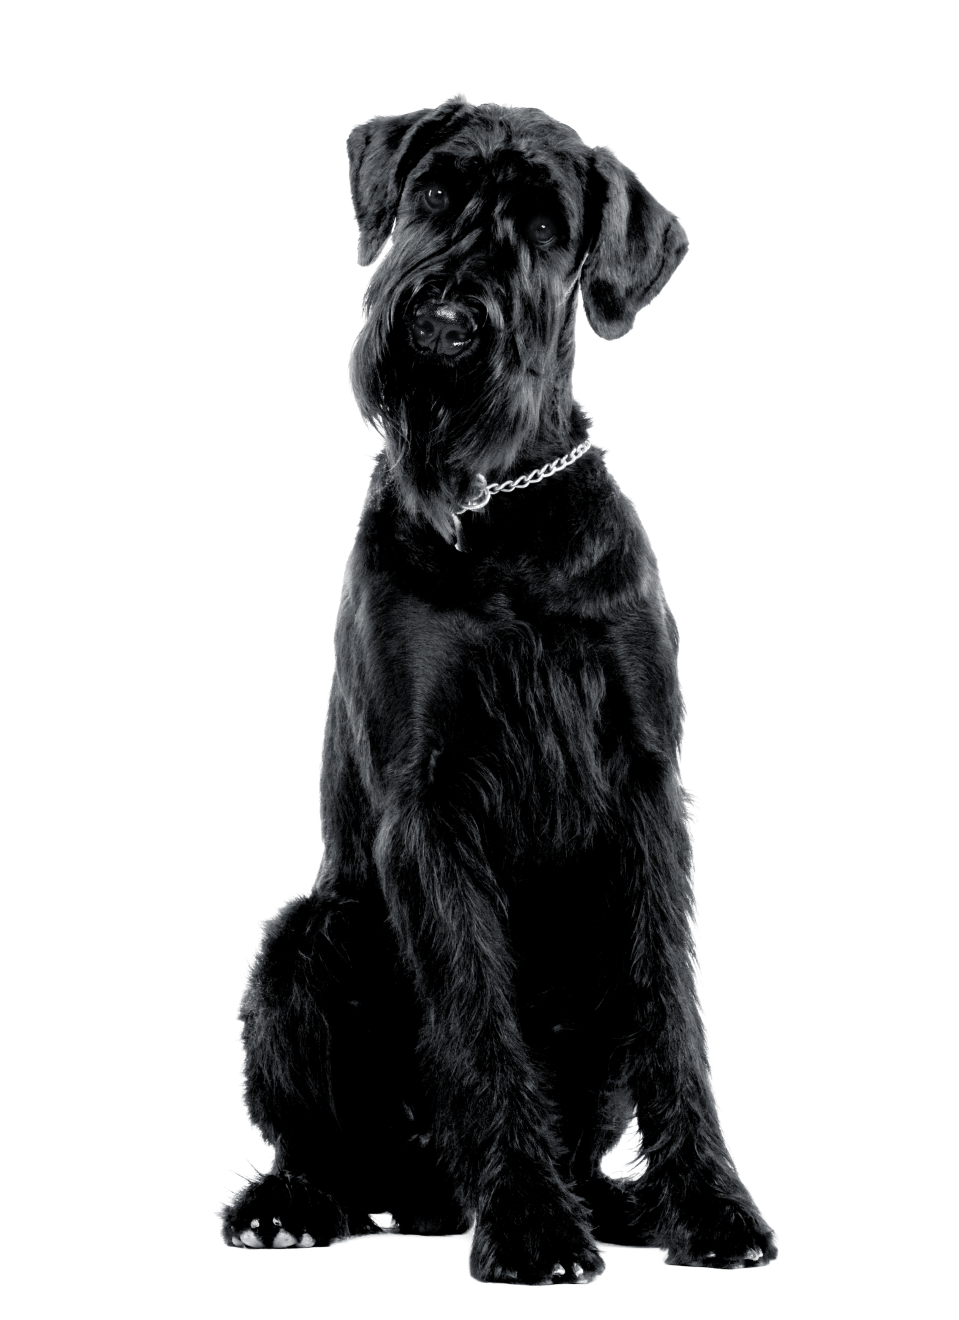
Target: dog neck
(481,491)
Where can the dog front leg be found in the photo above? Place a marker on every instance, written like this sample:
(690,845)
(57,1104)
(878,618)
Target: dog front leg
(494,1125)
(691,1199)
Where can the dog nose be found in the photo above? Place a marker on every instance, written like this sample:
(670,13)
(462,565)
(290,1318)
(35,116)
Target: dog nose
(443,328)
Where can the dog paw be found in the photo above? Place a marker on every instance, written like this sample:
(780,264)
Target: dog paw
(726,1236)
(286,1210)
(619,1211)
(532,1246)
(281,1237)
(553,1258)
(431,1220)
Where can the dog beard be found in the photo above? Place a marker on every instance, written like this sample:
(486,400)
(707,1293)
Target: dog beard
(445,419)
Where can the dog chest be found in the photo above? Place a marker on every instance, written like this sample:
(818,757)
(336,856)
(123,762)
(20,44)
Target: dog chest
(529,724)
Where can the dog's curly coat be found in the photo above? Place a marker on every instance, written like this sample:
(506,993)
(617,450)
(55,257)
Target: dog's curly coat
(493,973)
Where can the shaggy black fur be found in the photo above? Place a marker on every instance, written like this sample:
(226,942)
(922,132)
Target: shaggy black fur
(493,972)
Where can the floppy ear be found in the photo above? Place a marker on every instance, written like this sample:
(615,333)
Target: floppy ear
(382,153)
(636,247)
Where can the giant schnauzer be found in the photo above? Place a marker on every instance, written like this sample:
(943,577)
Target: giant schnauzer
(494,972)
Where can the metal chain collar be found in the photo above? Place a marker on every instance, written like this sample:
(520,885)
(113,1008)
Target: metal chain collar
(485,491)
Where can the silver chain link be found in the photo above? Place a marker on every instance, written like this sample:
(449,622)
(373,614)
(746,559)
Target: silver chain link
(538,474)
(527,479)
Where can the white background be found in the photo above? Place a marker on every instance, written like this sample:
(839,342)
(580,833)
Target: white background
(183,470)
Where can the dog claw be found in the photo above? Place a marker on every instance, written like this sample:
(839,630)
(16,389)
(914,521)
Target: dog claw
(284,1237)
(572,1273)
(754,1253)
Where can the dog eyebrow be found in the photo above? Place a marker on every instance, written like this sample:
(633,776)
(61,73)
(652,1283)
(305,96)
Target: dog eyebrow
(520,199)
(446,163)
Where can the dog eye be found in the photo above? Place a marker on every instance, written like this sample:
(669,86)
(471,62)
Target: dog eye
(541,230)
(437,197)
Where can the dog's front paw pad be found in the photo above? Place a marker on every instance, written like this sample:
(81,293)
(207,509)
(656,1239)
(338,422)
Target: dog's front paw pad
(248,1238)
(306,1241)
(283,1237)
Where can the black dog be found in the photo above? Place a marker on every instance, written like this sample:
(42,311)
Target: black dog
(493,973)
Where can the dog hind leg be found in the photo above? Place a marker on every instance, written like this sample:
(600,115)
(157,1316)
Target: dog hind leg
(426,1202)
(324,1067)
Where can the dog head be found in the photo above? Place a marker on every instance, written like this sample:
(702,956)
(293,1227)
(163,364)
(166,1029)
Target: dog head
(497,216)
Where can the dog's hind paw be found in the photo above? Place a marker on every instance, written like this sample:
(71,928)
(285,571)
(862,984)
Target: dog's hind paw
(619,1212)
(431,1221)
(286,1210)
(281,1238)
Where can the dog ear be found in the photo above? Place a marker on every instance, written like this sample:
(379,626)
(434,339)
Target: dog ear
(382,153)
(636,246)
